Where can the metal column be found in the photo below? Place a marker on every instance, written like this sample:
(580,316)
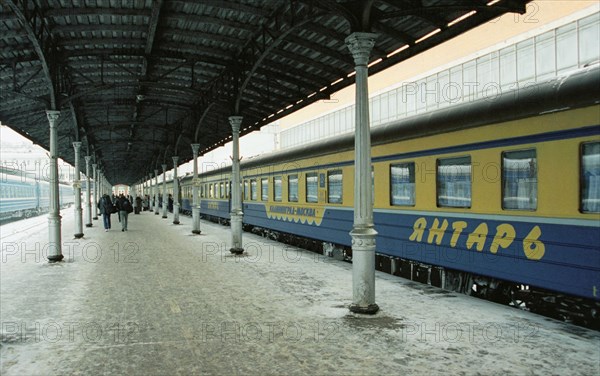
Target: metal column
(77,192)
(88,193)
(175,192)
(165,196)
(236,196)
(195,198)
(96,187)
(54,224)
(156,206)
(363,232)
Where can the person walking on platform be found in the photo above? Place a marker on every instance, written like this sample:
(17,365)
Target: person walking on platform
(106,209)
(125,207)
(138,205)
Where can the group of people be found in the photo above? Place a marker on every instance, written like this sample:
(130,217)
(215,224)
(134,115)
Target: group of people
(121,205)
(148,202)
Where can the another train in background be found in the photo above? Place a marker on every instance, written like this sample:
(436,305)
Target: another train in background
(23,195)
(497,198)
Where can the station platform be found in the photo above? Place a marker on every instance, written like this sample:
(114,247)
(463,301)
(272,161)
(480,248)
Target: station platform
(158,300)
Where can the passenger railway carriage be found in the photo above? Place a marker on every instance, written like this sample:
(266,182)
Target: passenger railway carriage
(23,196)
(499,197)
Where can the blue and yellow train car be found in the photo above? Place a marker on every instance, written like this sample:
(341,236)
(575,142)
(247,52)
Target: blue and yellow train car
(504,189)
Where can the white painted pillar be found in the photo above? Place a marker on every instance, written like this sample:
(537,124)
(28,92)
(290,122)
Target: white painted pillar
(175,192)
(77,192)
(88,193)
(156,206)
(54,223)
(164,190)
(236,213)
(150,194)
(195,198)
(96,188)
(363,232)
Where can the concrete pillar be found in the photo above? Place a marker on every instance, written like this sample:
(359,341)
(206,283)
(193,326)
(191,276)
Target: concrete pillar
(363,232)
(96,188)
(156,192)
(88,193)
(54,223)
(195,198)
(175,192)
(77,192)
(236,213)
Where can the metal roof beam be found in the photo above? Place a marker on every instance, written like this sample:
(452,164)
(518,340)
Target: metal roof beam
(40,37)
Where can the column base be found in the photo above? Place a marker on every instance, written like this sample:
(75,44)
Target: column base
(175,222)
(197,232)
(164,216)
(371,309)
(155,213)
(95,218)
(55,258)
(79,236)
(236,251)
(88,225)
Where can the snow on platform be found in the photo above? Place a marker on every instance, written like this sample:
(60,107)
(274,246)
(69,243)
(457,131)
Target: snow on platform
(157,300)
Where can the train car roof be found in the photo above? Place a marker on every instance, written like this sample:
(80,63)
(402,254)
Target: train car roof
(576,89)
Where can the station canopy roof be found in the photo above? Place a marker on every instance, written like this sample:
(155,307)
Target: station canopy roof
(138,81)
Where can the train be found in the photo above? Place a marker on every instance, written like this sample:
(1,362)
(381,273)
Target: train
(23,195)
(497,198)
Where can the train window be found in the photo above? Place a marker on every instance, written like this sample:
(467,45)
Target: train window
(210,191)
(334,187)
(590,177)
(253,191)
(221,190)
(264,186)
(519,180)
(293,188)
(454,182)
(402,181)
(246,190)
(277,188)
(312,187)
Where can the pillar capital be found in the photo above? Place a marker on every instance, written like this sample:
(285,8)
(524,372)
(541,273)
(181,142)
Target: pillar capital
(175,161)
(53,115)
(88,158)
(235,122)
(195,149)
(360,45)
(156,172)
(77,145)
(164,167)
(94,165)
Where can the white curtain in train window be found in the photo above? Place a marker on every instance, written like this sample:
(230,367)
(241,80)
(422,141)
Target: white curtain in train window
(334,187)
(519,175)
(454,182)
(311,187)
(293,188)
(277,189)
(590,176)
(264,186)
(253,190)
(403,184)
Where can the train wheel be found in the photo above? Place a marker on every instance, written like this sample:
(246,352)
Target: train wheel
(516,298)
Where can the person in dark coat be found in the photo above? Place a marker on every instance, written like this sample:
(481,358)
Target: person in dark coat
(105,205)
(125,207)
